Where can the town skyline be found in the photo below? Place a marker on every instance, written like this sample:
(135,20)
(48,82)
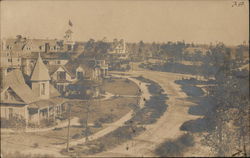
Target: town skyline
(127,78)
(156,24)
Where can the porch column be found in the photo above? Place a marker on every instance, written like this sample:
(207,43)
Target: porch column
(54,113)
(48,112)
(38,121)
(60,107)
(26,117)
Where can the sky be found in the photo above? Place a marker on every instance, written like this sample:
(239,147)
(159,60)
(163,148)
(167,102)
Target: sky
(159,21)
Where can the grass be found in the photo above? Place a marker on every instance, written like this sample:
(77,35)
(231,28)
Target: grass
(115,108)
(101,112)
(154,108)
(120,87)
(119,136)
(175,148)
(20,155)
(141,78)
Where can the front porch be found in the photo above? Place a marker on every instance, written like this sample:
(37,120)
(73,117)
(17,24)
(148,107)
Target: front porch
(46,111)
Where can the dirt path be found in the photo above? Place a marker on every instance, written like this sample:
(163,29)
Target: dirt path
(55,149)
(167,127)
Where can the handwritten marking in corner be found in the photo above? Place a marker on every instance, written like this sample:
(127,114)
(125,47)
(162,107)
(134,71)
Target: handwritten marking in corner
(238,3)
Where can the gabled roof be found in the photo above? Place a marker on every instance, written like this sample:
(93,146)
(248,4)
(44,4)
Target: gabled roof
(15,81)
(15,77)
(53,68)
(87,66)
(40,72)
(25,93)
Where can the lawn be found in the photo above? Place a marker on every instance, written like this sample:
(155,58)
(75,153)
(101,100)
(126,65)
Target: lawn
(154,108)
(106,110)
(101,112)
(120,87)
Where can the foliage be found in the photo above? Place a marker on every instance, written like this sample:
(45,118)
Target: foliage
(16,121)
(21,155)
(175,147)
(154,108)
(118,136)
(226,119)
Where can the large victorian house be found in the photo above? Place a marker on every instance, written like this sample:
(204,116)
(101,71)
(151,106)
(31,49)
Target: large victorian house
(32,98)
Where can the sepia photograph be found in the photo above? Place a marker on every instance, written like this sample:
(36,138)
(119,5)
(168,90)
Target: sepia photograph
(124,78)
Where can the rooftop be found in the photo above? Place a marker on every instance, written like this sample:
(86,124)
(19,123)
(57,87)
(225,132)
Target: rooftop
(40,72)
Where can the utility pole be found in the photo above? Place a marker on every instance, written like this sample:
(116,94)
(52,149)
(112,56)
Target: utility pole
(86,124)
(68,133)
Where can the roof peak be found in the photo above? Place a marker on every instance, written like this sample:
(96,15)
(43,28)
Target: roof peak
(40,71)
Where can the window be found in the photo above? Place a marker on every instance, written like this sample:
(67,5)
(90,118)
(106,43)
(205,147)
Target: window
(79,75)
(69,47)
(9,60)
(61,75)
(6,95)
(60,88)
(9,47)
(43,89)
(10,112)
(58,62)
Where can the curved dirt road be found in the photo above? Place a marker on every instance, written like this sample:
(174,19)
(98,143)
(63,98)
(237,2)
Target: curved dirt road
(167,127)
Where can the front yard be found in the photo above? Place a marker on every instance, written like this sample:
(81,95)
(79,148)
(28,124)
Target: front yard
(120,87)
(101,113)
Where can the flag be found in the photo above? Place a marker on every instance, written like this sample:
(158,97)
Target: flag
(70,23)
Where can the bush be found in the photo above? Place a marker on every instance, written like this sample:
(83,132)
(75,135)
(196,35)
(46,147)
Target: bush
(107,118)
(187,140)
(169,148)
(47,123)
(21,155)
(32,125)
(141,78)
(16,121)
(97,124)
(127,80)
(35,145)
(175,147)
(120,135)
(76,136)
